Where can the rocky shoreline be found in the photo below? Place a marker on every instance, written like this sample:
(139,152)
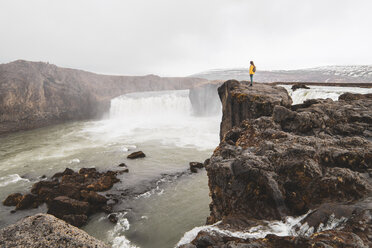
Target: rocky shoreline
(70,196)
(277,160)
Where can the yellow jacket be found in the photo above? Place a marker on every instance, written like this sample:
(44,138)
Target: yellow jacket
(251,69)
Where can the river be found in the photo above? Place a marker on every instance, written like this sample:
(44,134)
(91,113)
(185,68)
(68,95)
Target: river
(165,199)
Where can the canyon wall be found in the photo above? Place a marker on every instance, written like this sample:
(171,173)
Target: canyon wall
(36,94)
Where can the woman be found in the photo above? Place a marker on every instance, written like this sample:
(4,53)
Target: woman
(252,70)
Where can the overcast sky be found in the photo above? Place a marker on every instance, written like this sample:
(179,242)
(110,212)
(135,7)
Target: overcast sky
(182,37)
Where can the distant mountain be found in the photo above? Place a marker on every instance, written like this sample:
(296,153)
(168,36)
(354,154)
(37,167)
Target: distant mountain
(334,74)
(36,94)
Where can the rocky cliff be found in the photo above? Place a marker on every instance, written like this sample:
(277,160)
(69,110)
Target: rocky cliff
(35,94)
(44,230)
(241,102)
(276,160)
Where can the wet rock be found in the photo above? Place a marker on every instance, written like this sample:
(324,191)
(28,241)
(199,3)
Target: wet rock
(299,86)
(122,165)
(67,171)
(27,201)
(113,218)
(69,195)
(63,205)
(102,184)
(93,197)
(77,220)
(43,230)
(194,166)
(123,171)
(12,199)
(135,155)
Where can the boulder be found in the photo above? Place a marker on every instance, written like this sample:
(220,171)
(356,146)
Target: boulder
(69,195)
(27,201)
(63,205)
(194,166)
(12,199)
(77,220)
(299,86)
(135,155)
(44,230)
(113,218)
(122,165)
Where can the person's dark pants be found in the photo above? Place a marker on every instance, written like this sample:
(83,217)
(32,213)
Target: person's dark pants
(251,75)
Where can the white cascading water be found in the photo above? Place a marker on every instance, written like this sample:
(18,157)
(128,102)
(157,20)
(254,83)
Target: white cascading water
(301,95)
(163,115)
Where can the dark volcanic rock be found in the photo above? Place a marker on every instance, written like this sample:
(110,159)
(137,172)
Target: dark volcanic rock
(135,155)
(113,218)
(44,230)
(292,162)
(12,199)
(122,165)
(299,86)
(69,195)
(240,102)
(353,96)
(315,156)
(27,201)
(194,166)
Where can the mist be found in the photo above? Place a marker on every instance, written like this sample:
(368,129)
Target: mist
(179,38)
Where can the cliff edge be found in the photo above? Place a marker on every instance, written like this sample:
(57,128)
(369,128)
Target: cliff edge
(310,161)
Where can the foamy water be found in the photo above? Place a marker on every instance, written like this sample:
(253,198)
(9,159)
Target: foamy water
(301,95)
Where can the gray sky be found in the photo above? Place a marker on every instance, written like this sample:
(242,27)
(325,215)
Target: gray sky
(182,37)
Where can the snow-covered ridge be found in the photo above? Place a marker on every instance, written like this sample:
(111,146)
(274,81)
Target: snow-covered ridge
(336,74)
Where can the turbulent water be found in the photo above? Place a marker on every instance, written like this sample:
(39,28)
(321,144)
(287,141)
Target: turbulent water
(161,200)
(301,95)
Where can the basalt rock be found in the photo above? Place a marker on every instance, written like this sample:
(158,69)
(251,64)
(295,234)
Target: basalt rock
(296,159)
(194,166)
(135,155)
(44,230)
(12,199)
(240,102)
(299,86)
(71,196)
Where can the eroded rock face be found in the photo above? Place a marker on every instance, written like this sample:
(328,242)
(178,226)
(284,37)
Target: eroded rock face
(313,156)
(71,196)
(240,102)
(293,161)
(44,230)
